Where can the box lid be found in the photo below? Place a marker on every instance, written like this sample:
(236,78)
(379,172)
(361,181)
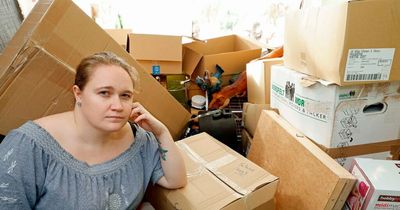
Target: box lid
(155,47)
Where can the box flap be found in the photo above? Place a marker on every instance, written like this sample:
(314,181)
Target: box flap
(309,178)
(66,33)
(190,60)
(155,47)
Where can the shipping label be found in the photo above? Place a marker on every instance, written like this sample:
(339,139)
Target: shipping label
(369,64)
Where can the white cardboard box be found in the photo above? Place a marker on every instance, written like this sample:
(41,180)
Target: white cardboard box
(336,116)
(378,184)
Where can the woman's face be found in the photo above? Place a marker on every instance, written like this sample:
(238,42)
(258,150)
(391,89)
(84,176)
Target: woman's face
(106,101)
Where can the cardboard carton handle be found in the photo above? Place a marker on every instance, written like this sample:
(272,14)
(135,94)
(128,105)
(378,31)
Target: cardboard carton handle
(375,108)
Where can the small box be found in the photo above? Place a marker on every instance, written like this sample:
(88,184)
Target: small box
(378,185)
(346,42)
(158,54)
(336,116)
(218,178)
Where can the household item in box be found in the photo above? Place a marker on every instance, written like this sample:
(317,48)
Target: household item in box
(231,52)
(378,185)
(221,125)
(259,80)
(309,178)
(37,68)
(218,178)
(177,87)
(158,54)
(346,42)
(198,101)
(336,116)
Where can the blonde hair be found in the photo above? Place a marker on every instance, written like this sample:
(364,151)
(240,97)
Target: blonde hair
(88,64)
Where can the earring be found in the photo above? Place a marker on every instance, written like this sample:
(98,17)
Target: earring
(79,104)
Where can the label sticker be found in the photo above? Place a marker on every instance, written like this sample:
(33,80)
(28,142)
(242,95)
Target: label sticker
(369,64)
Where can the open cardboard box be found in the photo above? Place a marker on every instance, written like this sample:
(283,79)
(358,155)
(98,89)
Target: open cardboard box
(231,52)
(37,68)
(218,178)
(308,177)
(346,42)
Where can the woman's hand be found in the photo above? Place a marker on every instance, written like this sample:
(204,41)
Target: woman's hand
(146,120)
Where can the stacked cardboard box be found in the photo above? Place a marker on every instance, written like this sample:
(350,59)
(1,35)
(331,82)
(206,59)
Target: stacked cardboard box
(345,94)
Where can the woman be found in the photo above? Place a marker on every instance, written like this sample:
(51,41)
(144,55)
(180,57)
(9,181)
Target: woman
(91,157)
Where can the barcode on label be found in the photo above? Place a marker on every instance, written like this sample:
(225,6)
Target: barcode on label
(353,77)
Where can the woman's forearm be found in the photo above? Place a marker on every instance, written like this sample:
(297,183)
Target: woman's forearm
(171,162)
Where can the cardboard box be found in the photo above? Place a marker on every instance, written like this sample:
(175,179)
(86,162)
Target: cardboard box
(231,52)
(336,116)
(378,185)
(259,80)
(250,115)
(309,178)
(37,68)
(158,54)
(343,43)
(120,36)
(218,178)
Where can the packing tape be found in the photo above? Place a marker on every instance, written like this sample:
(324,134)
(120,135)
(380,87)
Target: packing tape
(213,167)
(224,160)
(231,183)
